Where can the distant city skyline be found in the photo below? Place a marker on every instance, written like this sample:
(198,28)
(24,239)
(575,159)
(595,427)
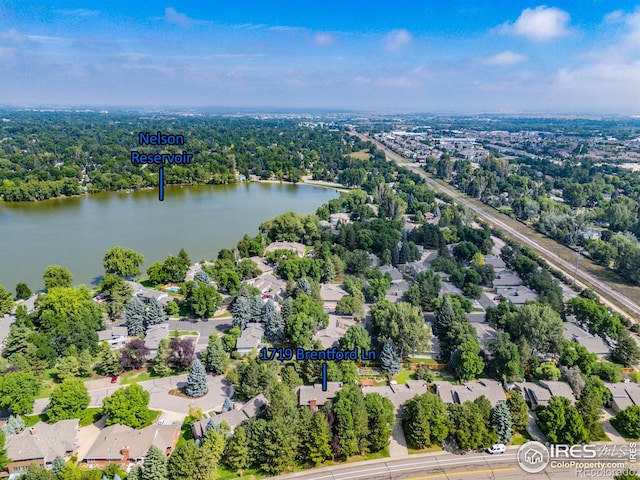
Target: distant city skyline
(402,56)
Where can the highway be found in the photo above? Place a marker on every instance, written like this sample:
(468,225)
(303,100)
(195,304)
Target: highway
(472,466)
(609,296)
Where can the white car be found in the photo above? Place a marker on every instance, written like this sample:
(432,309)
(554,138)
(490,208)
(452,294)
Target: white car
(497,448)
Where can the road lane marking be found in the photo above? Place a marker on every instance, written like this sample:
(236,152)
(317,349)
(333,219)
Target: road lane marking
(442,475)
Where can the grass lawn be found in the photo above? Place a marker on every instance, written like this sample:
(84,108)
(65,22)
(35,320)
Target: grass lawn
(433,448)
(135,377)
(426,360)
(47,388)
(403,375)
(519,439)
(185,433)
(90,415)
(248,474)
(360,155)
(182,333)
(31,420)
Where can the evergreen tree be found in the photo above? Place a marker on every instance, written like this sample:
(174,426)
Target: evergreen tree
(14,424)
(502,422)
(255,305)
(214,357)
(241,312)
(135,473)
(155,465)
(267,309)
(381,420)
(351,421)
(213,444)
(274,326)
(202,276)
(196,380)
(287,309)
(519,410)
(134,317)
(317,440)
(188,463)
(159,365)
(404,255)
(58,464)
(303,287)
(236,455)
(109,361)
(389,358)
(445,316)
(154,314)
(227,406)
(395,255)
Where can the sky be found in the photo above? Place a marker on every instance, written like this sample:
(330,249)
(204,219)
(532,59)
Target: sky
(435,56)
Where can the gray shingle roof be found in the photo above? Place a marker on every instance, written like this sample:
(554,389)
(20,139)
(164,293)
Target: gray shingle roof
(112,439)
(43,441)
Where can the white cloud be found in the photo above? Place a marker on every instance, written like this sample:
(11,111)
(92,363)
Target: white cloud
(397,39)
(504,58)
(171,16)
(7,53)
(614,17)
(324,38)
(540,24)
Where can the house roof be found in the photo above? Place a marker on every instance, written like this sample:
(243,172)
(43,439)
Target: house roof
(251,336)
(110,333)
(470,391)
(307,393)
(233,417)
(396,276)
(43,441)
(559,389)
(507,279)
(331,293)
(154,334)
(496,262)
(112,440)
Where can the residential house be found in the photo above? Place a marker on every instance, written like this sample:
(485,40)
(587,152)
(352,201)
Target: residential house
(623,395)
(126,446)
(298,248)
(269,286)
(147,294)
(336,328)
(470,391)
(314,396)
(518,295)
(398,394)
(233,417)
(251,338)
(340,218)
(153,336)
(594,343)
(496,262)
(539,394)
(506,279)
(116,337)
(40,444)
(396,291)
(330,295)
(396,276)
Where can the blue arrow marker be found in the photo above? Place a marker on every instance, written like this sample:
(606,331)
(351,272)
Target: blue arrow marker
(324,377)
(161,185)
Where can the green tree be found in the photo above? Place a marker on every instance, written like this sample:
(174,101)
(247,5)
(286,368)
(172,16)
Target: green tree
(626,351)
(356,337)
(68,400)
(172,309)
(445,317)
(196,380)
(505,358)
(467,362)
(548,371)
(108,361)
(203,300)
(6,301)
(4,460)
(351,420)
(214,357)
(540,325)
(128,406)
(154,315)
(57,465)
(159,365)
(381,420)
(424,421)
(187,463)
(134,317)
(403,323)
(155,465)
(122,262)
(174,269)
(57,276)
(36,472)
(627,421)
(22,291)
(118,293)
(469,426)
(236,455)
(18,391)
(316,438)
(255,377)
(561,423)
(501,420)
(519,410)
(389,359)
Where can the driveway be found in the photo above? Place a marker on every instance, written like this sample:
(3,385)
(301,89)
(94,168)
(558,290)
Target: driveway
(204,327)
(160,399)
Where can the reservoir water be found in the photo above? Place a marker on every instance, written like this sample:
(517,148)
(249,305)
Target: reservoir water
(76,232)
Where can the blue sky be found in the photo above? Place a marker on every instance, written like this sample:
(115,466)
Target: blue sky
(420,55)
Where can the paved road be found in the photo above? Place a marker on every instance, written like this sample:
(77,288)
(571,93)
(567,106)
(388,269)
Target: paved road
(615,298)
(445,466)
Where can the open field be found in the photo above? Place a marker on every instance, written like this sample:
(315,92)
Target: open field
(361,155)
